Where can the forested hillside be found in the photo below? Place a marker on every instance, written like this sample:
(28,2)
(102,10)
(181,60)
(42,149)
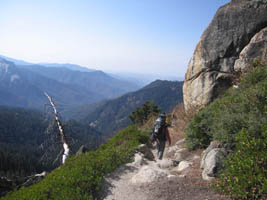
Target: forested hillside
(29,140)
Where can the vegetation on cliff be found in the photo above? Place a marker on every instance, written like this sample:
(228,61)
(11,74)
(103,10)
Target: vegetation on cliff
(238,120)
(240,108)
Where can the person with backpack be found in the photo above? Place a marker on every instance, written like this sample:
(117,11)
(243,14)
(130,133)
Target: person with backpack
(161,134)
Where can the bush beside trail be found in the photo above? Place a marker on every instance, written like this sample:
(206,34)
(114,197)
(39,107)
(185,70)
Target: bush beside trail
(245,175)
(237,109)
(238,120)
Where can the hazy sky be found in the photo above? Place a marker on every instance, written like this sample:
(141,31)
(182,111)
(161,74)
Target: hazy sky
(148,36)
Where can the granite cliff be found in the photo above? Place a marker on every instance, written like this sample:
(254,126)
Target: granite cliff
(236,35)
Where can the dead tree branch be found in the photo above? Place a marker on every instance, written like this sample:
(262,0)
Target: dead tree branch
(61,130)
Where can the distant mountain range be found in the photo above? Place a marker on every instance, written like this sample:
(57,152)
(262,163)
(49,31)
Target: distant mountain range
(91,96)
(99,102)
(15,61)
(24,85)
(68,66)
(142,79)
(24,88)
(112,115)
(139,79)
(95,81)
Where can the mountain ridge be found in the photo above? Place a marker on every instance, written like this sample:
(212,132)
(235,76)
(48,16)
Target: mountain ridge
(28,88)
(113,115)
(96,81)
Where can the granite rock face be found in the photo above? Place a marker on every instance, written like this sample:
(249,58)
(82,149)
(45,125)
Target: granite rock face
(210,69)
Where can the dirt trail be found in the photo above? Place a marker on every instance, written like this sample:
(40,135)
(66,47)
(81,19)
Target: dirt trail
(126,183)
(118,186)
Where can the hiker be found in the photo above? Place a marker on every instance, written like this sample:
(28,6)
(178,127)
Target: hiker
(160,134)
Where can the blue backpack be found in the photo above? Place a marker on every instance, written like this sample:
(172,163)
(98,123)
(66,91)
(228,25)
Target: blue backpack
(159,130)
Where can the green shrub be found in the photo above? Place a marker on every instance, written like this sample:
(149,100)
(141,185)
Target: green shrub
(198,132)
(245,175)
(143,113)
(239,120)
(81,176)
(237,109)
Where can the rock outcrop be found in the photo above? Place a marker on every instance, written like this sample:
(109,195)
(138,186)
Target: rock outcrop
(256,49)
(210,69)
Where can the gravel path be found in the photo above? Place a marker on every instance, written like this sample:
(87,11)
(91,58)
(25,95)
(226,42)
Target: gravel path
(119,186)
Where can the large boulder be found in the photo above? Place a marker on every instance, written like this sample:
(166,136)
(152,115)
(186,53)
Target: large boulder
(212,65)
(212,160)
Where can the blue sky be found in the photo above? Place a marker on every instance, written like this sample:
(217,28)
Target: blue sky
(144,36)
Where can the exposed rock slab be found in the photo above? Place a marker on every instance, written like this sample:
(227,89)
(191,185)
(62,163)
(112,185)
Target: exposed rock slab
(165,163)
(183,165)
(148,174)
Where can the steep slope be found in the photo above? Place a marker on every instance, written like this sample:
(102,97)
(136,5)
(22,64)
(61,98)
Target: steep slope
(113,114)
(81,176)
(96,81)
(24,88)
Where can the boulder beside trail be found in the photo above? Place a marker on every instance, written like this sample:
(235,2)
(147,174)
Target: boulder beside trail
(212,161)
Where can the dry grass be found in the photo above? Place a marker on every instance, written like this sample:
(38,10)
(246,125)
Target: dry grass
(179,120)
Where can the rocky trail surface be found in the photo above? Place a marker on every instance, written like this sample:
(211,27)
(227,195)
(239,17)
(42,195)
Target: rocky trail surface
(177,176)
